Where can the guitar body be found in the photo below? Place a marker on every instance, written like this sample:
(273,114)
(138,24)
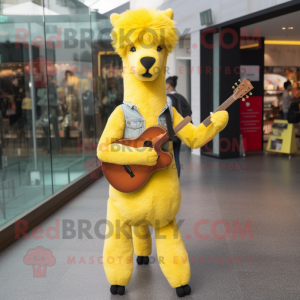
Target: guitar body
(121,177)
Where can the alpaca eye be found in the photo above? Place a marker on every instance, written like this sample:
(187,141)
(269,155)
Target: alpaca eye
(132,49)
(159,48)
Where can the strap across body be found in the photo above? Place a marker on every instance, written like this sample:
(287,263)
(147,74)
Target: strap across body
(170,129)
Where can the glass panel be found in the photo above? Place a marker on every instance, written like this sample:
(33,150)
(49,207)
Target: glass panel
(108,78)
(25,176)
(71,97)
(216,94)
(59,81)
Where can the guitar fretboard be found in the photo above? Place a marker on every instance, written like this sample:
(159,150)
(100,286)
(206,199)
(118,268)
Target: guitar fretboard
(184,122)
(223,106)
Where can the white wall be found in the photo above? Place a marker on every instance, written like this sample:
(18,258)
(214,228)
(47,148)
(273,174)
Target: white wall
(171,65)
(186,13)
(195,81)
(182,66)
(182,82)
(143,3)
(282,55)
(182,47)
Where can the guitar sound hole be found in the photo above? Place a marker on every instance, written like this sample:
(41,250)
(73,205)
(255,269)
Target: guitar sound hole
(148,144)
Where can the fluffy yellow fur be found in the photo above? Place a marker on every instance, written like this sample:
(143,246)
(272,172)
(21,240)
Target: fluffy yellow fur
(145,27)
(158,201)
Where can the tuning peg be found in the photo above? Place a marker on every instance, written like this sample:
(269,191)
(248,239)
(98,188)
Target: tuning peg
(239,80)
(243,99)
(233,87)
(236,83)
(250,93)
(247,96)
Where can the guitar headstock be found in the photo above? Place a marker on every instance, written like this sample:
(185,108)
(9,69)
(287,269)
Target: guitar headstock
(242,89)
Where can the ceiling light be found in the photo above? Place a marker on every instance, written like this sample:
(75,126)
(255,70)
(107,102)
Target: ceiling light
(249,46)
(291,27)
(277,42)
(283,28)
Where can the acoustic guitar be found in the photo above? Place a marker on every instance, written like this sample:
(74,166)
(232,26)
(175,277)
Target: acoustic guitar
(130,178)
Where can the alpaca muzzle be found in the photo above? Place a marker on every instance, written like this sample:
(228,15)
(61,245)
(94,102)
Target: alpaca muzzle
(147,63)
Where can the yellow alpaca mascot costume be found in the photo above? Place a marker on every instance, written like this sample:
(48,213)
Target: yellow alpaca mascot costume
(143,38)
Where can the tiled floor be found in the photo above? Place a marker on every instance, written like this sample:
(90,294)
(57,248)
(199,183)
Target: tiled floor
(261,191)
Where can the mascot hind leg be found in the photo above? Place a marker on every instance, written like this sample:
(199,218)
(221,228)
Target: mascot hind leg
(142,243)
(173,258)
(118,251)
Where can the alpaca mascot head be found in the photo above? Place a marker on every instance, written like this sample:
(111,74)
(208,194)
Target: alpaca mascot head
(143,38)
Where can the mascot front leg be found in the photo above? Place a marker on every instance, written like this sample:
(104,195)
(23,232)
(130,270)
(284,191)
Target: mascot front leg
(173,258)
(118,251)
(142,243)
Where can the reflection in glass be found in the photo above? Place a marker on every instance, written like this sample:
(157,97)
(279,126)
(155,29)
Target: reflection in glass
(59,81)
(24,182)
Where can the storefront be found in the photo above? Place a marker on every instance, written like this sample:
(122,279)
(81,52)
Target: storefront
(262,47)
(59,81)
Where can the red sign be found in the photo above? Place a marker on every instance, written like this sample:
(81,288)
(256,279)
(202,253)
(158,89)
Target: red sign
(251,123)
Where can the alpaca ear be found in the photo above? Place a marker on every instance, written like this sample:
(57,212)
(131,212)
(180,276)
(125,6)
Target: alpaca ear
(169,13)
(114,18)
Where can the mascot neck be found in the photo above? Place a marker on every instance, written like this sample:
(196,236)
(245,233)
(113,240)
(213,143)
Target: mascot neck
(146,94)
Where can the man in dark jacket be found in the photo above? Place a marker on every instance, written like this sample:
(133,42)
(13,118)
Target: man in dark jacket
(182,106)
(286,99)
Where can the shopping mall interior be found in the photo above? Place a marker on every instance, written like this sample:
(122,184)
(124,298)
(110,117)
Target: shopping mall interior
(280,63)
(60,80)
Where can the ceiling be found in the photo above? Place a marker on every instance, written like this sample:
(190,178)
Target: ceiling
(272,28)
(103,6)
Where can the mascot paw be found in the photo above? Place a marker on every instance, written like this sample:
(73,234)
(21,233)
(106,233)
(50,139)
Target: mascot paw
(142,260)
(183,290)
(117,289)
(152,157)
(220,119)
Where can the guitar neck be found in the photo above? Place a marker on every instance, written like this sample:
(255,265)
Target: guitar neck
(161,139)
(183,123)
(223,106)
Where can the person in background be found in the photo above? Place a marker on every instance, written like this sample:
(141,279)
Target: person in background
(183,108)
(18,96)
(62,104)
(286,99)
(27,109)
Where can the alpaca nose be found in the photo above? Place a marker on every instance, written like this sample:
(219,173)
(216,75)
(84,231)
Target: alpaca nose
(147,62)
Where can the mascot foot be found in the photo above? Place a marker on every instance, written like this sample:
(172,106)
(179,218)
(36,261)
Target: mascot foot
(142,260)
(183,290)
(117,289)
